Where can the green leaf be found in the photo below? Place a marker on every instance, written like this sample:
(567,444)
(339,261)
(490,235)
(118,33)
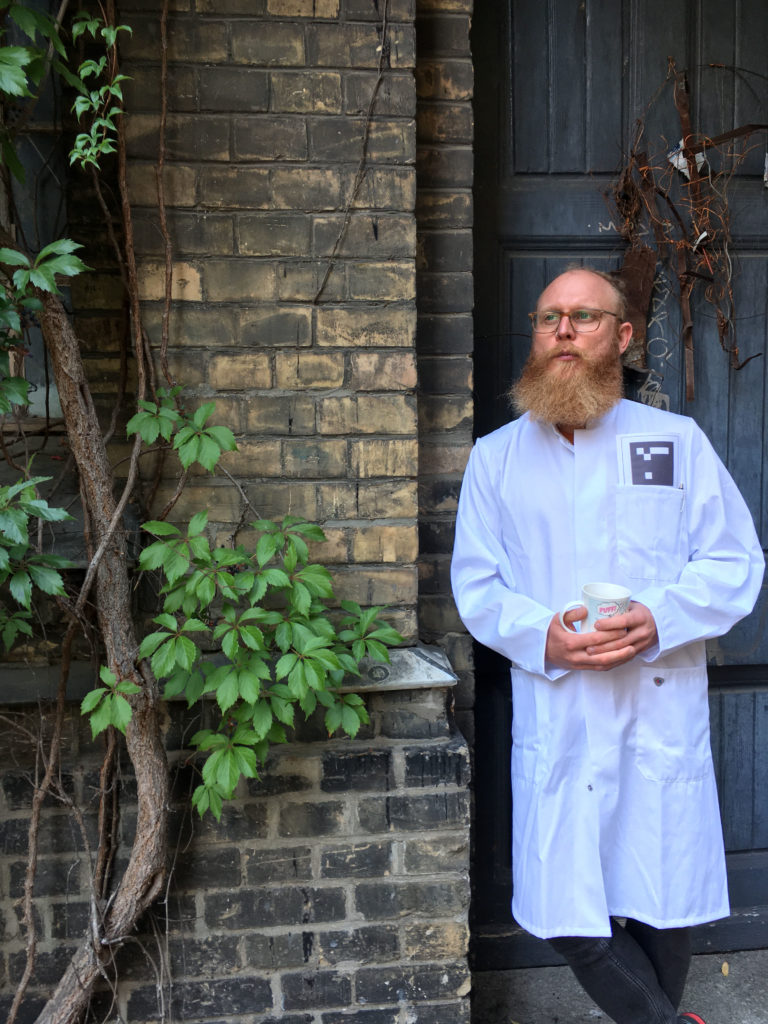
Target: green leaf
(12,257)
(21,588)
(101,718)
(47,580)
(13,79)
(197,523)
(121,712)
(160,528)
(90,700)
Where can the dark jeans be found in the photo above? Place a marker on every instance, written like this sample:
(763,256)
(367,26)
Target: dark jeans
(637,976)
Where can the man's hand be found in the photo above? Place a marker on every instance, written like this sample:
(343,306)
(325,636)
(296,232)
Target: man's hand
(613,641)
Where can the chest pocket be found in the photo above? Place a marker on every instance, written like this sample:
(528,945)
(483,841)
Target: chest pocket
(651,532)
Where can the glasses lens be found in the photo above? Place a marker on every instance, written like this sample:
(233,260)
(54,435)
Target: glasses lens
(585,319)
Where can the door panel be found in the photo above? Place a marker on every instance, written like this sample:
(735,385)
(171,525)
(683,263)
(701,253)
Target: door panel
(559,89)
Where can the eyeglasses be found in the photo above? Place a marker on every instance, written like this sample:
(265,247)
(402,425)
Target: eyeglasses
(546,321)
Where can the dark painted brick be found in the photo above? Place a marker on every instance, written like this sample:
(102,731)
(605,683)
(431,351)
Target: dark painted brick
(201,1000)
(57,835)
(400,723)
(396,984)
(445,293)
(433,766)
(245,822)
(396,94)
(445,166)
(311,819)
(18,790)
(358,770)
(276,952)
(69,920)
(384,900)
(436,536)
(445,251)
(449,334)
(53,878)
(443,36)
(377,942)
(234,89)
(202,868)
(49,967)
(315,989)
(202,958)
(29,1011)
(383,1016)
(457,1012)
(272,865)
(264,908)
(356,861)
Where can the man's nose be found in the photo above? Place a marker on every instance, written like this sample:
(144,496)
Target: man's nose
(564,328)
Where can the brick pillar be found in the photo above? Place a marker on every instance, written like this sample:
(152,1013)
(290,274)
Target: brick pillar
(444,80)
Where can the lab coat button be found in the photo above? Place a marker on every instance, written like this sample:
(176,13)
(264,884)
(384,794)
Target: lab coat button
(658,680)
(589,787)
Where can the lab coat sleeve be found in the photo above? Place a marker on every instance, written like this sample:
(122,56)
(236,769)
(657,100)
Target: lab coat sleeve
(483,581)
(721,580)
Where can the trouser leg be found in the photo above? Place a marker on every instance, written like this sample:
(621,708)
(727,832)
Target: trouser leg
(669,950)
(619,976)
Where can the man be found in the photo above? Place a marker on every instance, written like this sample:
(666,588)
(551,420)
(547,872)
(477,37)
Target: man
(615,811)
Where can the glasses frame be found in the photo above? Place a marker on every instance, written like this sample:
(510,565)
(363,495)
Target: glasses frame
(574,328)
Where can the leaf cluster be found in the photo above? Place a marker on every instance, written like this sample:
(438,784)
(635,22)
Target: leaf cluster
(21,567)
(253,631)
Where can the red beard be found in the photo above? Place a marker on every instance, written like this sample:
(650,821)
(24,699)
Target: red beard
(571,393)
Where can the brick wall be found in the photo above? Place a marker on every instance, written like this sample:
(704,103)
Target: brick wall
(322,296)
(333,890)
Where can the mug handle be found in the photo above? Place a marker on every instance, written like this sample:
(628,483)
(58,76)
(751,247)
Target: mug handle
(568,608)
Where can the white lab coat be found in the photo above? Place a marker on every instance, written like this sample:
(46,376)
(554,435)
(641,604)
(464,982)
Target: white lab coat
(615,809)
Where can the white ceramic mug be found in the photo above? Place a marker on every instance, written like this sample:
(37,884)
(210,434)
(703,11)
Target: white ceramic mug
(602,601)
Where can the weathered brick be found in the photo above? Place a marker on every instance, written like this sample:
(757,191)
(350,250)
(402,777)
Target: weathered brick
(306,92)
(274,234)
(385,499)
(200,958)
(206,1000)
(315,989)
(382,371)
(367,414)
(234,89)
(367,944)
(254,459)
(179,184)
(69,920)
(391,281)
(356,770)
(382,188)
(278,865)
(443,458)
(189,40)
(443,940)
(439,765)
(240,371)
(430,856)
(275,952)
(446,36)
(284,414)
(281,46)
(407,813)
(190,234)
(270,907)
(364,10)
(445,166)
(341,139)
(305,188)
(337,500)
(420,983)
(185,286)
(395,95)
(303,8)
(446,293)
(141,90)
(187,136)
(296,370)
(379,1016)
(356,46)
(444,209)
(390,900)
(49,967)
(194,326)
(445,79)
(243,188)
(398,544)
(373,326)
(305,458)
(366,235)
(445,251)
(217,868)
(442,122)
(440,414)
(319,818)
(307,280)
(385,586)
(275,325)
(372,457)
(52,878)
(457,1011)
(238,280)
(361,860)
(270,138)
(276,498)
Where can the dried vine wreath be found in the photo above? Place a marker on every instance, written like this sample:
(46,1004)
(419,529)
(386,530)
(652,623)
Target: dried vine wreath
(680,199)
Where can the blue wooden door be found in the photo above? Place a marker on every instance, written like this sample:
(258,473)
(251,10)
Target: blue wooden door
(561,87)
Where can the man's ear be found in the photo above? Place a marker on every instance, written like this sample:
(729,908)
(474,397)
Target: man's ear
(625,336)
